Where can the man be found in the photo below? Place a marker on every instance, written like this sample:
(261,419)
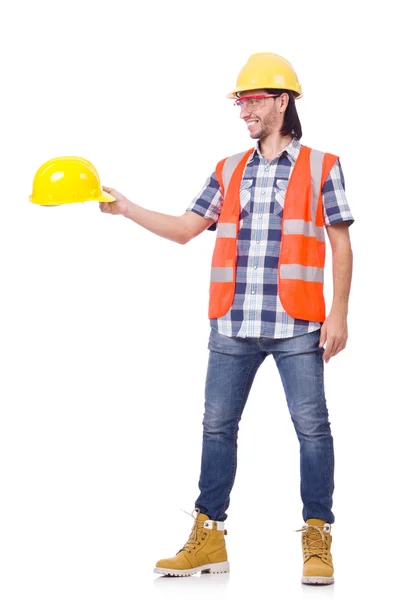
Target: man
(270,206)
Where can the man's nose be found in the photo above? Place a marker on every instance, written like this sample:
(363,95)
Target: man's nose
(244,112)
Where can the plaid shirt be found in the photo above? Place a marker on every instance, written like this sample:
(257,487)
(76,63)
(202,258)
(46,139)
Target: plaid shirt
(257,310)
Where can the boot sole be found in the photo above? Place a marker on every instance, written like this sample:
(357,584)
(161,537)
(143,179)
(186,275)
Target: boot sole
(215,568)
(317,580)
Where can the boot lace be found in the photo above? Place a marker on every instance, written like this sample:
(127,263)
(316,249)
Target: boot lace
(197,534)
(314,541)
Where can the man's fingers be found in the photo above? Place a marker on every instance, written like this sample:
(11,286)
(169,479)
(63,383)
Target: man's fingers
(329,351)
(323,337)
(334,346)
(341,345)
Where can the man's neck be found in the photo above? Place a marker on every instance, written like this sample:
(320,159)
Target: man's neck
(273,144)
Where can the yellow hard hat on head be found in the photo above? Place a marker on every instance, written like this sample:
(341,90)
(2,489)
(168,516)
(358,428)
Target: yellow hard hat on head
(267,71)
(66,180)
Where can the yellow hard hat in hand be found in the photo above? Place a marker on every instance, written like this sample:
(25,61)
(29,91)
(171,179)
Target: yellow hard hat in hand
(66,180)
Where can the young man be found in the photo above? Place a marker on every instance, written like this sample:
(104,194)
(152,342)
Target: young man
(270,206)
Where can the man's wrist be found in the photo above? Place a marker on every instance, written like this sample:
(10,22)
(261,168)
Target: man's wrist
(130,210)
(339,309)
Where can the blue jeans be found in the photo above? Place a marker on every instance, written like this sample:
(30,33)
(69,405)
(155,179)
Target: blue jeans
(232,366)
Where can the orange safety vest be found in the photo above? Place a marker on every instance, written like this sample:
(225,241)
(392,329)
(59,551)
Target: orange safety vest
(302,253)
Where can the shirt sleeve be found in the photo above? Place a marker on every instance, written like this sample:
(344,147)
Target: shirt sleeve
(335,205)
(208,202)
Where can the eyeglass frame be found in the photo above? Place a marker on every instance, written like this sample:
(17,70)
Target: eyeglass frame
(256,97)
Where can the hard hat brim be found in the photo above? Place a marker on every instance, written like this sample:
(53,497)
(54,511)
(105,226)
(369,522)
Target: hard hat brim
(235,95)
(105,197)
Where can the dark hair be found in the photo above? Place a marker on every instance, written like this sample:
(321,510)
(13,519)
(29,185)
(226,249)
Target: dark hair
(291,124)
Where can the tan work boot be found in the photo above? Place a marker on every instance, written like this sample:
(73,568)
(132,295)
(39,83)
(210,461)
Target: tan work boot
(205,550)
(316,550)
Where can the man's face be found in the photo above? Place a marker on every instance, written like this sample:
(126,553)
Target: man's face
(263,117)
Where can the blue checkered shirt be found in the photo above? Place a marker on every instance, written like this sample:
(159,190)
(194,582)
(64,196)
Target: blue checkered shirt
(257,310)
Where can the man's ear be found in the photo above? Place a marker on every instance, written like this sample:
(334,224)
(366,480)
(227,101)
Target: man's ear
(284,102)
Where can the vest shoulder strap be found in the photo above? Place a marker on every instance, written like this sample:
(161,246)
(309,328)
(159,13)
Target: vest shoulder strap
(225,169)
(321,164)
(316,170)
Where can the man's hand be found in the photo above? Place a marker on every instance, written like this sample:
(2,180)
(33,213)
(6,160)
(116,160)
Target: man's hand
(334,334)
(118,207)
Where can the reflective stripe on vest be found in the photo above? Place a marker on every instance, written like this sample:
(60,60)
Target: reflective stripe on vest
(227,230)
(301,272)
(298,226)
(222,274)
(228,169)
(316,169)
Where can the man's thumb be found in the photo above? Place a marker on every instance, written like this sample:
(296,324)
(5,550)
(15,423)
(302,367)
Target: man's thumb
(323,337)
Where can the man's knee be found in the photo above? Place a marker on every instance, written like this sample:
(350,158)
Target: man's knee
(311,421)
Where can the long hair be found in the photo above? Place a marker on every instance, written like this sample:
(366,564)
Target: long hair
(291,123)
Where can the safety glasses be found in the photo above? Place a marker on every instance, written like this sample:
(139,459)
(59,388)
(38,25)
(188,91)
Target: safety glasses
(252,102)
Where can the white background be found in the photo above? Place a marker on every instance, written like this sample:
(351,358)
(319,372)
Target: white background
(104,325)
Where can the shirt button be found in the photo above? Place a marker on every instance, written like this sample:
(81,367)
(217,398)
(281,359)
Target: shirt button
(267,168)
(260,216)
(255,267)
(263,191)
(253,292)
(258,241)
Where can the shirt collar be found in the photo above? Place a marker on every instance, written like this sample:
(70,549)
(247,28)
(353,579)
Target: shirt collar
(292,150)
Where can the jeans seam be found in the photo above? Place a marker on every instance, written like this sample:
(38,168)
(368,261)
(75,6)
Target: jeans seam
(238,417)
